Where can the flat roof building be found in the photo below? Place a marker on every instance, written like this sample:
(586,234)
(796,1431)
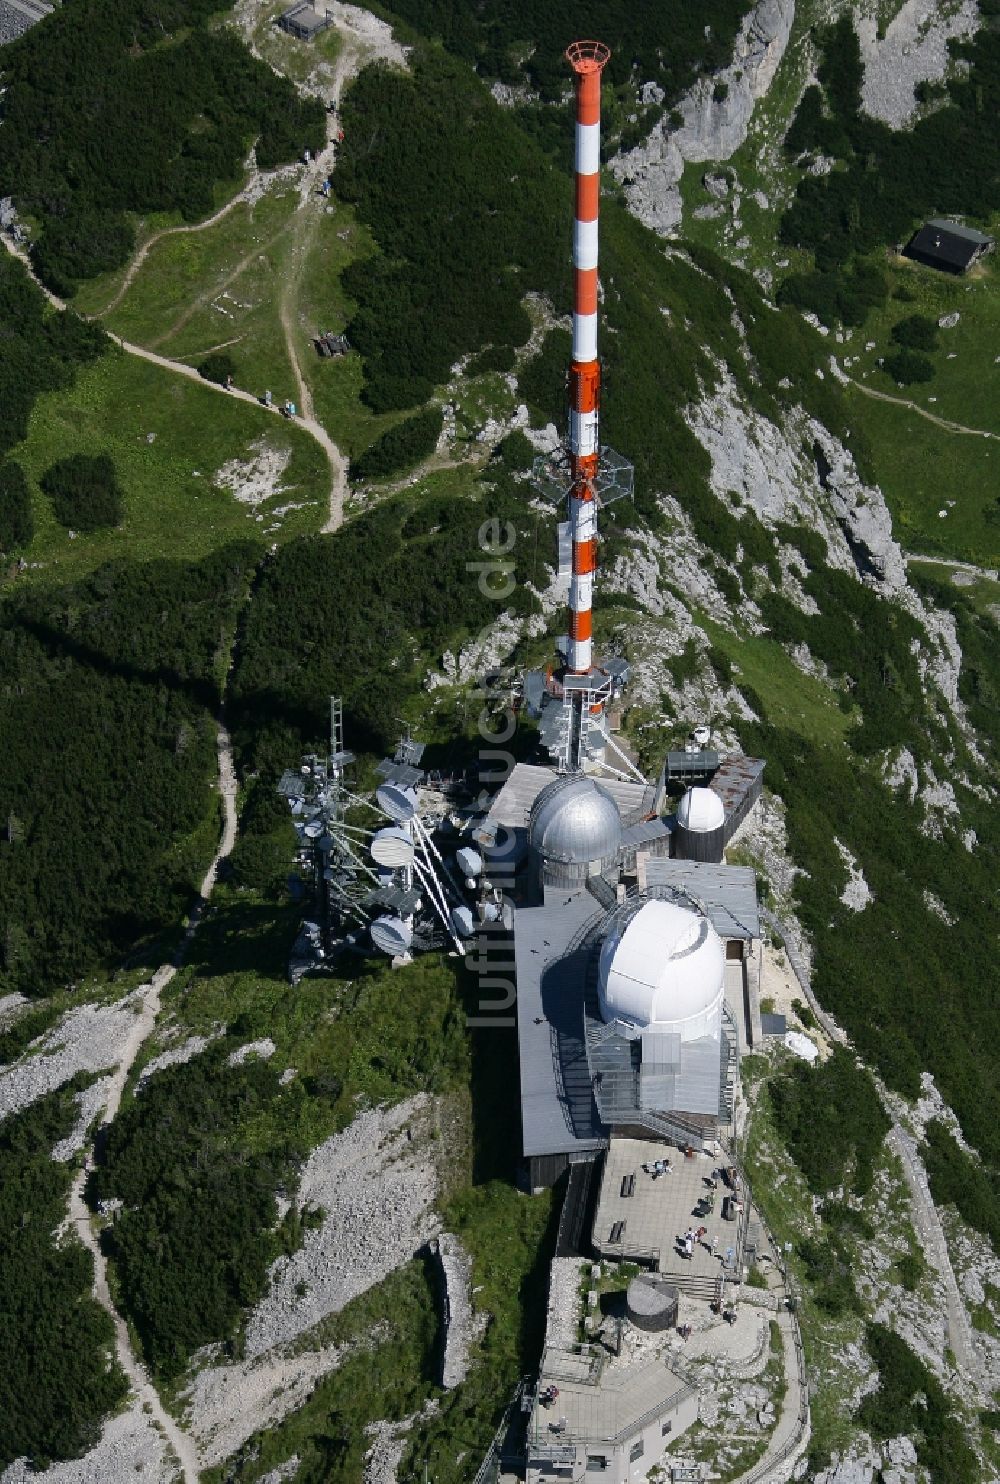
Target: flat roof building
(613,1421)
(304,22)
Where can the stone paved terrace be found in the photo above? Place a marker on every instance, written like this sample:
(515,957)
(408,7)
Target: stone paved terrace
(661,1210)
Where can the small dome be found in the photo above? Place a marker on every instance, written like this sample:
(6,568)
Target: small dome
(701,811)
(663,967)
(575,820)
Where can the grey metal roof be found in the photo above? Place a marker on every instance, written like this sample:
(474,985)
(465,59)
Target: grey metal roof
(958,230)
(648,832)
(512,805)
(773,1025)
(396,772)
(558,1114)
(728,893)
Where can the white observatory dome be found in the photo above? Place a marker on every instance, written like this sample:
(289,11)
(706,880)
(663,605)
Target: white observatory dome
(700,811)
(575,821)
(663,968)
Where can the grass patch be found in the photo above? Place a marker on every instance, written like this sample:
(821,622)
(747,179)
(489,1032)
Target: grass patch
(171,504)
(793,699)
(920,467)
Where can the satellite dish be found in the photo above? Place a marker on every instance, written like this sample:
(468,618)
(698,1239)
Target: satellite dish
(469,861)
(391,935)
(398,802)
(392,848)
(313,829)
(464,922)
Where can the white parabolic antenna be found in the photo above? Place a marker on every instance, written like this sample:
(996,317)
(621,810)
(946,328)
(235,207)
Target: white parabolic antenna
(391,935)
(392,848)
(313,829)
(398,802)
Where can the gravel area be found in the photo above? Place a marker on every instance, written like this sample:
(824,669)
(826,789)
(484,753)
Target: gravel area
(227,1404)
(254,480)
(11,1007)
(91,1038)
(173,1056)
(91,1103)
(914,49)
(130,1448)
(262,1049)
(377,1184)
(565,1305)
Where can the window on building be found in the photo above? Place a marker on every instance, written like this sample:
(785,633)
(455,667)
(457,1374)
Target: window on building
(596,1463)
(666,1427)
(638,1449)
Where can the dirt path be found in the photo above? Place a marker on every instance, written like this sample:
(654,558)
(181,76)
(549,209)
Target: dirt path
(791,1435)
(335,459)
(932,417)
(989,574)
(932,1243)
(217,289)
(79,1214)
(150,243)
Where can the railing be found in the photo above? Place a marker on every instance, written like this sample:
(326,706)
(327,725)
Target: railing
(763,1471)
(490,1467)
(618,1252)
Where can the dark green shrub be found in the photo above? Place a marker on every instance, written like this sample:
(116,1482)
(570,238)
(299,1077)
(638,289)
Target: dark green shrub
(916,332)
(84,492)
(907,367)
(134,106)
(516,452)
(911,1400)
(493,358)
(720,92)
(832,1121)
(218,367)
(407,443)
(959,1180)
(17,520)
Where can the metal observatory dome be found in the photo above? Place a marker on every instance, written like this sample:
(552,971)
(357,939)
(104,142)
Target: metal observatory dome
(574,830)
(662,969)
(701,826)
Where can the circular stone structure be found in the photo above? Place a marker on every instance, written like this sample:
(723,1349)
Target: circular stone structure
(651,1303)
(574,830)
(662,968)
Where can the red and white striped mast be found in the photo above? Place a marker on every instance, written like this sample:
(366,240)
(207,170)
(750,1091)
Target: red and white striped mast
(585,474)
(588,60)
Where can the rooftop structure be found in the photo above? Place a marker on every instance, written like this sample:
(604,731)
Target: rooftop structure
(644,1215)
(948,245)
(304,22)
(613,1422)
(661,970)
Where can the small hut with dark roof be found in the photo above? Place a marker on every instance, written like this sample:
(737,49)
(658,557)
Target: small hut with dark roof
(948,246)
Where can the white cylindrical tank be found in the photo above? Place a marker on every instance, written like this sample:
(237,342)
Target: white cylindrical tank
(662,968)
